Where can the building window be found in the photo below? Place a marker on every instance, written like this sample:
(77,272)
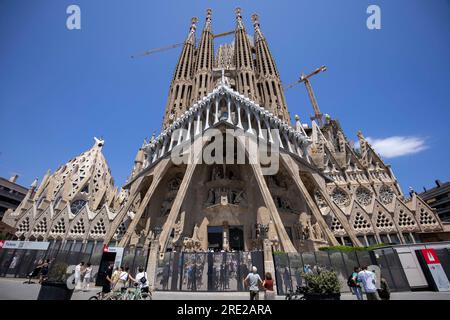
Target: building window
(394,238)
(77,205)
(407,237)
(362,240)
(384,238)
(371,239)
(348,242)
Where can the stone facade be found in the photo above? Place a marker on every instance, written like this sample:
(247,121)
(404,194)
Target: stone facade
(325,192)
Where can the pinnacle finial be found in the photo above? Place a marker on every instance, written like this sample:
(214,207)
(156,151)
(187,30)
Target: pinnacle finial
(194,21)
(255,19)
(34,183)
(208,19)
(240,24)
(99,142)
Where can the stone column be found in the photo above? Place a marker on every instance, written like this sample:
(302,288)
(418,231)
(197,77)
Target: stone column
(152,262)
(226,236)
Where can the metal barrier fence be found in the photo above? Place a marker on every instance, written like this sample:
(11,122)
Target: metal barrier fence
(20,263)
(208,271)
(290,266)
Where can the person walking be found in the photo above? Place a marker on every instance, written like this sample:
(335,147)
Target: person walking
(123,279)
(108,281)
(44,270)
(78,270)
(354,284)
(87,277)
(368,281)
(252,281)
(269,293)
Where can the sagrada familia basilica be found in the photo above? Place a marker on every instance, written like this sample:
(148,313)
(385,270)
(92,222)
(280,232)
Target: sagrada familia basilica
(324,193)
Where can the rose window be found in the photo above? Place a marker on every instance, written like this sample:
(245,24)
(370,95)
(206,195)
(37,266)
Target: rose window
(363,196)
(340,197)
(386,194)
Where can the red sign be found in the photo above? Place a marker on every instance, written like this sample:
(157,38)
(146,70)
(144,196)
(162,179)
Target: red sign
(430,256)
(2,242)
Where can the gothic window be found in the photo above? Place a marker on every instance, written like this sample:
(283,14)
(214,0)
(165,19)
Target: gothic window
(336,225)
(383,221)
(24,225)
(120,232)
(78,228)
(99,229)
(405,220)
(41,226)
(363,196)
(60,227)
(386,194)
(426,218)
(361,223)
(340,197)
(77,205)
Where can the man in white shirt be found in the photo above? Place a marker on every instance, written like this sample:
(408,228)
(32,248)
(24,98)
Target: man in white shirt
(142,280)
(368,280)
(253,281)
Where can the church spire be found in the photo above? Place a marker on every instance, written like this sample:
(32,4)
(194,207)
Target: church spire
(243,60)
(269,83)
(181,86)
(203,76)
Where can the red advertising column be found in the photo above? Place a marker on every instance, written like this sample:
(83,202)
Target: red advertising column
(436,270)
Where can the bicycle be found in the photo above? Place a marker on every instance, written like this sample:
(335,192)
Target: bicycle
(136,293)
(128,293)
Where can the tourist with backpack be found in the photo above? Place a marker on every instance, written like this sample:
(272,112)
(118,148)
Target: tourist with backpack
(354,283)
(142,280)
(368,281)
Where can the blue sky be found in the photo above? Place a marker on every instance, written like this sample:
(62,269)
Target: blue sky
(60,88)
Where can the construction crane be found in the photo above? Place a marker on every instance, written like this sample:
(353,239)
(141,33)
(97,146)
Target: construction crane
(172,46)
(305,78)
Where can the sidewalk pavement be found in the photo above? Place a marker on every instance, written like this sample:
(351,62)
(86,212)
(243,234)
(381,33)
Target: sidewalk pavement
(15,289)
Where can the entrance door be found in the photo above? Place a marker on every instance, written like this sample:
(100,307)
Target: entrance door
(215,238)
(237,238)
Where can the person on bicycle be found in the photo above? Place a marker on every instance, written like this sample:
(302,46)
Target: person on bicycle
(141,280)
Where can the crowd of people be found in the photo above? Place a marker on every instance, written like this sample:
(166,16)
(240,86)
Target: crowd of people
(119,278)
(83,276)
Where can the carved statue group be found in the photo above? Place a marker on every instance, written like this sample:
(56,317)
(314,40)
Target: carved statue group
(233,196)
(308,230)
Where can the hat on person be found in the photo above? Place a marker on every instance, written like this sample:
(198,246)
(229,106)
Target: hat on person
(254,269)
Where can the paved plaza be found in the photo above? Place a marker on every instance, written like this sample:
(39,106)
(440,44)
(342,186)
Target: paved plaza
(15,289)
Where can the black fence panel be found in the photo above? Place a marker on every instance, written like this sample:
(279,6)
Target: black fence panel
(290,267)
(206,271)
(391,269)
